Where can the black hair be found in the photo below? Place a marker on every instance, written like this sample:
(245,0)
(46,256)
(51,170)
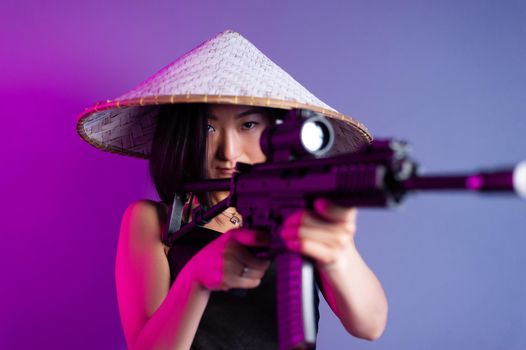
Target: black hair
(178,152)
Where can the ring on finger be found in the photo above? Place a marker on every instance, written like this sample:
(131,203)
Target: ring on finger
(244,272)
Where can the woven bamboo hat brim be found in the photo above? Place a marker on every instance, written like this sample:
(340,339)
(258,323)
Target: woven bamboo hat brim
(226,69)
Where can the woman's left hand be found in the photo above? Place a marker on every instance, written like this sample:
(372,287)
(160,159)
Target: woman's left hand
(325,234)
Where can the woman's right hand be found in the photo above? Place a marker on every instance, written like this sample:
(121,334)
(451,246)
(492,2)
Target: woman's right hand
(227,263)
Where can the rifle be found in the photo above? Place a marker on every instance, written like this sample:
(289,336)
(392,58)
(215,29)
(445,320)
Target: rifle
(296,173)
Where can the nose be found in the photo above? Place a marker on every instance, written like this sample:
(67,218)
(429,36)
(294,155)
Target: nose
(229,147)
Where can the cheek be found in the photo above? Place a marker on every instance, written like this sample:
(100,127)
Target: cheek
(211,145)
(255,153)
(257,157)
(261,155)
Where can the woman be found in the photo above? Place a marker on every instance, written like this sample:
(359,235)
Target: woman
(178,297)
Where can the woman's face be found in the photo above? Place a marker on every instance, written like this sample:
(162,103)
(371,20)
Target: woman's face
(233,136)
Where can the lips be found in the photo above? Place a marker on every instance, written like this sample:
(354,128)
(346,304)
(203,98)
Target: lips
(226,171)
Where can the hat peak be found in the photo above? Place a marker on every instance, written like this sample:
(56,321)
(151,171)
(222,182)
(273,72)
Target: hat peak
(225,65)
(224,69)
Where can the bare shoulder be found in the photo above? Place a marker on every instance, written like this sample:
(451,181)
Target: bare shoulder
(142,273)
(142,222)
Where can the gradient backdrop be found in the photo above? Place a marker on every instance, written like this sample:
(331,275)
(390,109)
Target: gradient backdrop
(449,76)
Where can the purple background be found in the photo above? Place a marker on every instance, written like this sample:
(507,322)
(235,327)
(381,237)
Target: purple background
(449,76)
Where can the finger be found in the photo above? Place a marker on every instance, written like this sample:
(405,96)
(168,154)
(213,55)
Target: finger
(247,258)
(309,219)
(248,272)
(332,212)
(236,281)
(251,238)
(335,234)
(335,239)
(315,250)
(236,275)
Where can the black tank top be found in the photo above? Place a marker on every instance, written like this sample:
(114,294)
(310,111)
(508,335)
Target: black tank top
(232,320)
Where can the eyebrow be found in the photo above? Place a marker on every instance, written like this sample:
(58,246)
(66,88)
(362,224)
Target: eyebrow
(256,110)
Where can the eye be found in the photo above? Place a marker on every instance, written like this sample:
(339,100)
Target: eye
(250,125)
(210,129)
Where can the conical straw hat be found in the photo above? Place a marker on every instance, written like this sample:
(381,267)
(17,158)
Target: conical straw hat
(226,69)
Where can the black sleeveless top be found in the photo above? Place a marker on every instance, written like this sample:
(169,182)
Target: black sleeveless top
(233,319)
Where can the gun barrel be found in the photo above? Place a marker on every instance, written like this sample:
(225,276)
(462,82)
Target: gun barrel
(435,182)
(511,180)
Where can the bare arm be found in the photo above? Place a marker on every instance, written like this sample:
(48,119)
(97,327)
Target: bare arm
(355,295)
(146,302)
(155,316)
(351,289)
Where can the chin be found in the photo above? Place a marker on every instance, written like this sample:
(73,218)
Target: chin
(222,176)
(219,196)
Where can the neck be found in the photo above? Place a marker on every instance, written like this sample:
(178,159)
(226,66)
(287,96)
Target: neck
(217,197)
(221,223)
